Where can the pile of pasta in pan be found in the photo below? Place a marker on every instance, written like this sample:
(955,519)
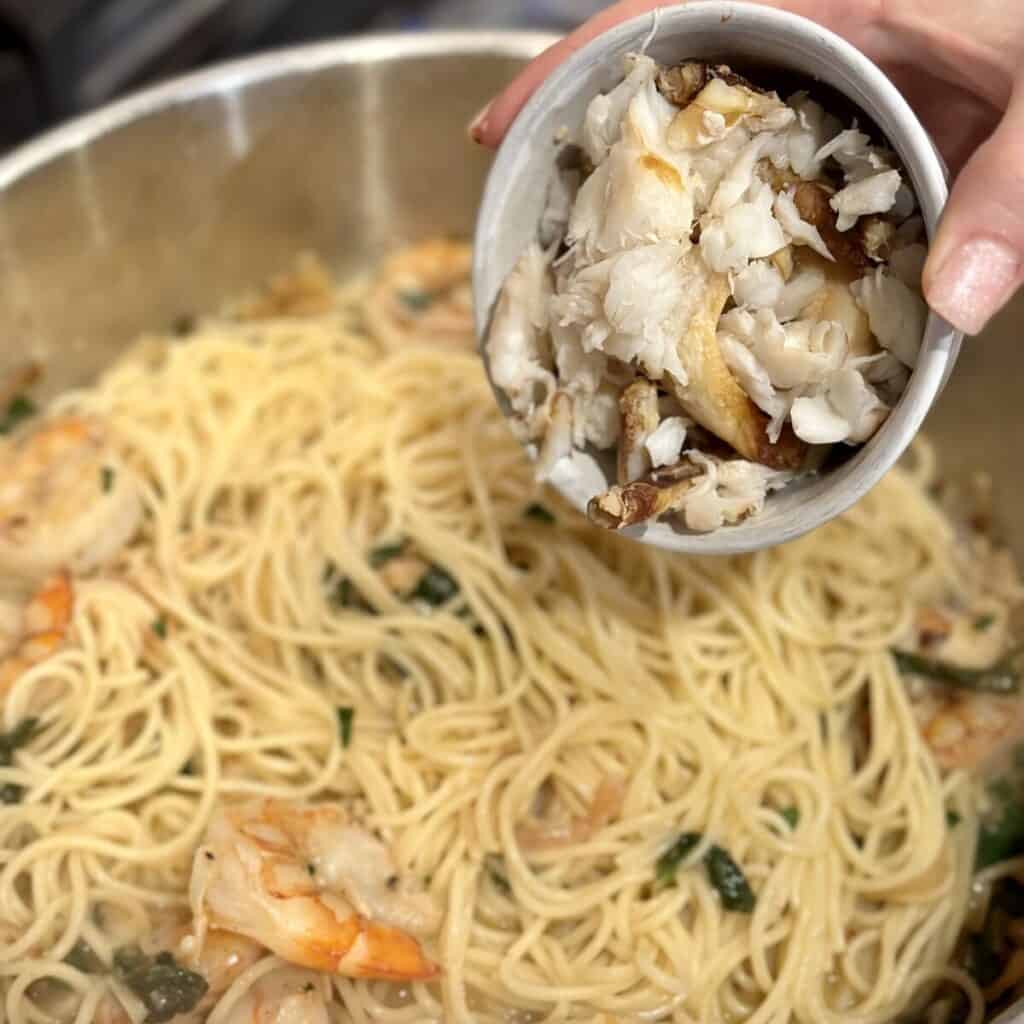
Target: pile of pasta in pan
(315,707)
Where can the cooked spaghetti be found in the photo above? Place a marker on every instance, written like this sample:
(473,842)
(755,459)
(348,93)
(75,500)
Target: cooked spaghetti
(633,786)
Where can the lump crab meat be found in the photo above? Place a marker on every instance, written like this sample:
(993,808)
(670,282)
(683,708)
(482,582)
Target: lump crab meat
(713,397)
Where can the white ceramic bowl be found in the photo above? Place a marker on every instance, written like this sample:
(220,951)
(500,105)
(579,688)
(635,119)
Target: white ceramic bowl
(747,35)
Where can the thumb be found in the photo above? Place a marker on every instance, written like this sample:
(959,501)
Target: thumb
(976,262)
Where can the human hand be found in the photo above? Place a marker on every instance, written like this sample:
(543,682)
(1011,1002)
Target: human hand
(962,69)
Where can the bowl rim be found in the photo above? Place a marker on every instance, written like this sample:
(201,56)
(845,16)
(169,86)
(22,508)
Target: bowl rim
(941,341)
(232,75)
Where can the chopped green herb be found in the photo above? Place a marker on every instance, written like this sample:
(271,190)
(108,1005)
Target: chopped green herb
(1001,678)
(495,871)
(165,988)
(385,553)
(393,667)
(85,959)
(107,479)
(160,628)
(728,878)
(311,870)
(184,325)
(129,958)
(1002,837)
(345,717)
(435,587)
(723,872)
(540,513)
(669,861)
(19,408)
(313,664)
(188,768)
(983,622)
(415,300)
(11,793)
(348,595)
(343,593)
(465,613)
(791,816)
(18,737)
(952,819)
(509,636)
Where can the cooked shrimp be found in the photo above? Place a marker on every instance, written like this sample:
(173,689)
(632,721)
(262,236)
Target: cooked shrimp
(287,995)
(37,630)
(401,574)
(965,730)
(425,292)
(66,499)
(965,727)
(224,956)
(605,806)
(317,889)
(305,290)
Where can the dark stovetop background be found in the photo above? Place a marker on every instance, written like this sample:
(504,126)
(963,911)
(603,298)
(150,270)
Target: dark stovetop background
(62,57)
(59,58)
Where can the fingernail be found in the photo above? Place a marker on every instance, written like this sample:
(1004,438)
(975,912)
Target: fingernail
(478,124)
(975,282)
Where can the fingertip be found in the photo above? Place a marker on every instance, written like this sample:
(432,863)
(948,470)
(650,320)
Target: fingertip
(968,283)
(490,126)
(477,129)
(499,116)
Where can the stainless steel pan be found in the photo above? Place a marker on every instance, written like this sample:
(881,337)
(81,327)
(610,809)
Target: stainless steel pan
(170,202)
